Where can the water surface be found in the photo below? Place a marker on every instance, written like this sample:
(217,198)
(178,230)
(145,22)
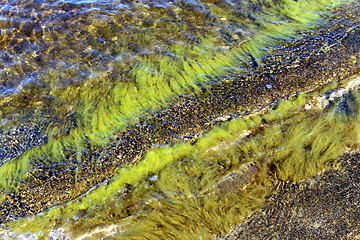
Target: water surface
(133,111)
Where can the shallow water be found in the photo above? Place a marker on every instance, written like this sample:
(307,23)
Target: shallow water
(60,58)
(81,77)
(62,44)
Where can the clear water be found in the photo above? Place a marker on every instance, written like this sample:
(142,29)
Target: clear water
(111,62)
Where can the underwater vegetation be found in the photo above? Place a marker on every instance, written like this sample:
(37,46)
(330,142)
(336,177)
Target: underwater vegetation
(294,212)
(204,189)
(185,142)
(104,104)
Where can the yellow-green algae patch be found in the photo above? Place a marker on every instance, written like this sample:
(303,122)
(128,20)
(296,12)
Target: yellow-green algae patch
(106,108)
(174,192)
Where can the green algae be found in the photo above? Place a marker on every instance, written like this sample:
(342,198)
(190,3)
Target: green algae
(106,108)
(170,193)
